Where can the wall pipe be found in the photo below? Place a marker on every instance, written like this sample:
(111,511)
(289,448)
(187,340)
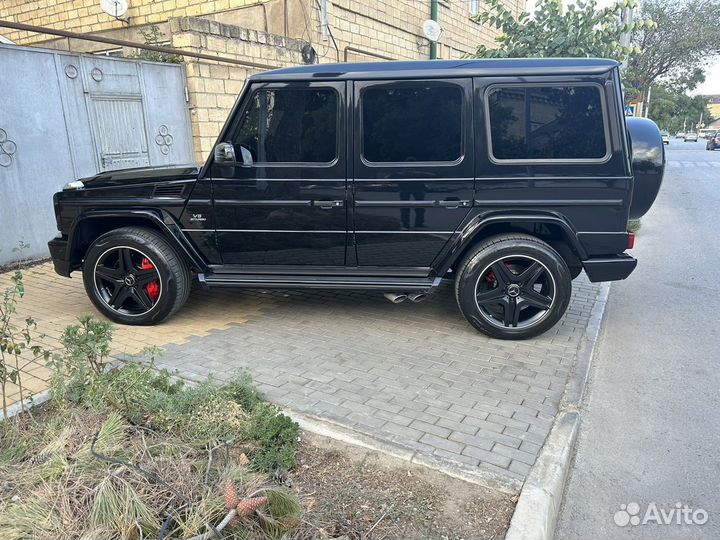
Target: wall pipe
(125,43)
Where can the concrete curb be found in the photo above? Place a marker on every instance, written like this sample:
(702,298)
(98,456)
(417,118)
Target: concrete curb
(473,475)
(17,407)
(537,509)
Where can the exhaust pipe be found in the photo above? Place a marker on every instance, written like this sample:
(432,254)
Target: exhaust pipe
(396,298)
(417,297)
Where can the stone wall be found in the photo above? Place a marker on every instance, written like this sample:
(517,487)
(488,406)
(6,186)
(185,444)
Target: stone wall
(392,29)
(86,16)
(213,87)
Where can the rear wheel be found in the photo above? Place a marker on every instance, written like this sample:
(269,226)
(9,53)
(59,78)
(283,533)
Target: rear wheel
(133,276)
(513,286)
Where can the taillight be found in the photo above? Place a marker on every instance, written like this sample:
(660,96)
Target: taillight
(631,240)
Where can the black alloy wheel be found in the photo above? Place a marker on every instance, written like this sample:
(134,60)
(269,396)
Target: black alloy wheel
(513,286)
(134,276)
(127,280)
(515,291)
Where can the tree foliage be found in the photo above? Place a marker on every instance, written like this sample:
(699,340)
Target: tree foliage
(674,111)
(675,49)
(581,30)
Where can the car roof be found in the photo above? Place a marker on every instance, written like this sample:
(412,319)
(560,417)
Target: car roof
(441,68)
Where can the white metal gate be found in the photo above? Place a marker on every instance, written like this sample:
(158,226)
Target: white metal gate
(65,116)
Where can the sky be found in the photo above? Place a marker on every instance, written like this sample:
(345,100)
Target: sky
(712,70)
(712,79)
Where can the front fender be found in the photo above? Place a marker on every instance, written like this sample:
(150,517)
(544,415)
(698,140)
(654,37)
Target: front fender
(473,230)
(156,218)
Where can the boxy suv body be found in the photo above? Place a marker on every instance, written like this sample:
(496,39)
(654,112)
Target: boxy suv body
(507,176)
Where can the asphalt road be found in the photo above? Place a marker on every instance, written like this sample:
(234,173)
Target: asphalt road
(650,433)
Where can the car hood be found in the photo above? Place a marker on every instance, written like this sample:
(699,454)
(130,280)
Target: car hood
(147,175)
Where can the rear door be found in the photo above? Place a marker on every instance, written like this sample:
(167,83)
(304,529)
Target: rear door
(289,207)
(413,168)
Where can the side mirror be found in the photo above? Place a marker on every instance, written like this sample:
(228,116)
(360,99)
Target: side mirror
(225,153)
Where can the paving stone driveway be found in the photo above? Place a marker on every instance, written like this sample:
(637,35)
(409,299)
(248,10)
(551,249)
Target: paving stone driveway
(415,375)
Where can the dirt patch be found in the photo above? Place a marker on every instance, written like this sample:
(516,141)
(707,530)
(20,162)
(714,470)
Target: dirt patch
(361,494)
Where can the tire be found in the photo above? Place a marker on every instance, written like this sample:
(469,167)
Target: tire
(134,276)
(498,297)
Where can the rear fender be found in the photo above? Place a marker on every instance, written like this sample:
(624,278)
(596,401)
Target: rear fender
(476,228)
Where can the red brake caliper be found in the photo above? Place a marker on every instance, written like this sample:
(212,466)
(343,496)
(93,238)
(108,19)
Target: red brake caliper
(152,288)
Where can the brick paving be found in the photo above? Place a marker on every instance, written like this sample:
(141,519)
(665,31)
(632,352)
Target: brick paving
(415,375)
(55,302)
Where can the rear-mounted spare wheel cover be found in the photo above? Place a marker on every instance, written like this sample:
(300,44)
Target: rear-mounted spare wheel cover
(648,164)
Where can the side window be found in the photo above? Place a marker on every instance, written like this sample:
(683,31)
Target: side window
(547,122)
(290,125)
(405,123)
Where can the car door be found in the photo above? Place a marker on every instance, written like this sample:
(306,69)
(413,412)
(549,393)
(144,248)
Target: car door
(289,206)
(413,168)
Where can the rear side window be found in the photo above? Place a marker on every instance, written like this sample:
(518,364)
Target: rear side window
(291,125)
(412,123)
(547,122)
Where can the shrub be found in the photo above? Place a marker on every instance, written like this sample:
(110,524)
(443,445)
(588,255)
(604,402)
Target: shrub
(87,348)
(275,436)
(202,414)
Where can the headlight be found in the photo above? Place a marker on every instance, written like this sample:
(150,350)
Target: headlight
(77,184)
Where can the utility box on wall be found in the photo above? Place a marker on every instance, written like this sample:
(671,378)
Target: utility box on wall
(65,116)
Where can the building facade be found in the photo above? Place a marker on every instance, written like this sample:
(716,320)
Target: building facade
(275,33)
(714,105)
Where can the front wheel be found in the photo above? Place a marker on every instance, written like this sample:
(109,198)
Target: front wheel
(513,286)
(133,276)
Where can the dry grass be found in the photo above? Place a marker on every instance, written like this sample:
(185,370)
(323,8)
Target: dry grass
(55,484)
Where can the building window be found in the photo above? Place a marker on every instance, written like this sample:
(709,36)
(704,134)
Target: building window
(547,123)
(406,123)
(474,6)
(290,125)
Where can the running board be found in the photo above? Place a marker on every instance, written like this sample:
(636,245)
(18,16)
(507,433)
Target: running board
(318,282)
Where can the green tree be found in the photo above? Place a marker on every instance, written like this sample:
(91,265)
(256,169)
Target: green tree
(676,48)
(673,110)
(153,36)
(581,30)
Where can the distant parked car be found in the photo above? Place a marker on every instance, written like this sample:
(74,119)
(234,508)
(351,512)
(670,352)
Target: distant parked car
(680,135)
(713,142)
(665,137)
(691,136)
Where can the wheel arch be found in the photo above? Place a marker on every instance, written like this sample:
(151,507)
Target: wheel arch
(550,228)
(89,226)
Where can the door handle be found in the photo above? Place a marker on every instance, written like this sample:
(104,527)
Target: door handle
(328,205)
(454,203)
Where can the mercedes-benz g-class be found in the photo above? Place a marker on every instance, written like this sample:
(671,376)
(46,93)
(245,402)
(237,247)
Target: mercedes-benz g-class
(509,177)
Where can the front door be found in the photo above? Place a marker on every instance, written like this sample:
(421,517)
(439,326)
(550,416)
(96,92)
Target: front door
(289,206)
(413,168)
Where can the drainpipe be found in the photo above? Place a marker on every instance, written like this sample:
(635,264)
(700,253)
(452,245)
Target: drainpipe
(434,17)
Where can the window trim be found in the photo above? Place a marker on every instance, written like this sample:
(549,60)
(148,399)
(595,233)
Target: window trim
(544,161)
(291,86)
(409,83)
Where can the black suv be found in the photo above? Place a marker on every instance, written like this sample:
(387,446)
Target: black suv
(507,176)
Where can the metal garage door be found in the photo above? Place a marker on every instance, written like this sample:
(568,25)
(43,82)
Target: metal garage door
(65,116)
